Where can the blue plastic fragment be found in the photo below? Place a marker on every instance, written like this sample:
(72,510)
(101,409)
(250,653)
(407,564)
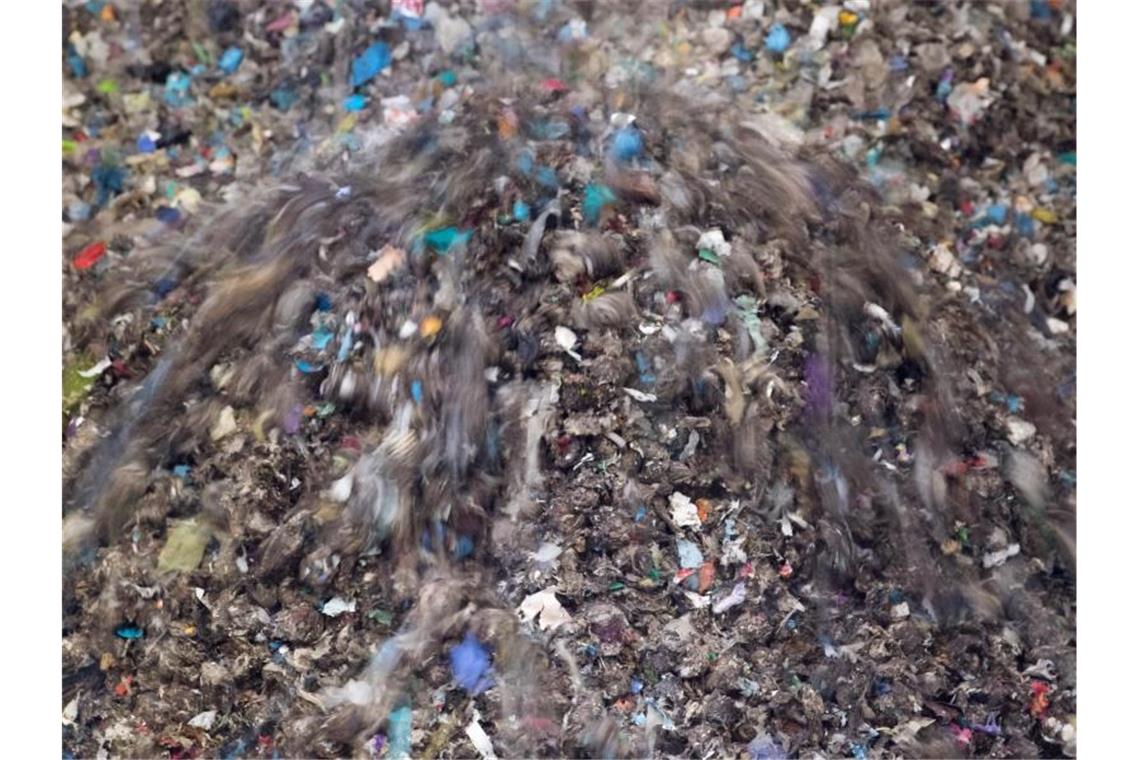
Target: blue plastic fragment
(644,369)
(689,554)
(447,78)
(168,215)
(345,347)
(234,749)
(547,177)
(443,239)
(878,114)
(145,143)
(471,665)
(76,63)
(283,98)
(164,286)
(627,144)
(594,200)
(525,163)
(642,511)
(778,39)
(78,211)
(411,23)
(1024,224)
(371,62)
(322,336)
(715,314)
(181,471)
(355,102)
(307,367)
(555,129)
(945,85)
(129,632)
(400,732)
(996,213)
(521,211)
(572,30)
(464,547)
(324,302)
(764,747)
(230,60)
(108,179)
(635,686)
(177,89)
(417,391)
(740,52)
(1039,9)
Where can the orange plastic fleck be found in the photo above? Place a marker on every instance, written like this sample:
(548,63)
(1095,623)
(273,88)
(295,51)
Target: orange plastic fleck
(706,575)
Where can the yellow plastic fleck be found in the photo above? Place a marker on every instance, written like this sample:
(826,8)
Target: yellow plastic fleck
(430,326)
(596,291)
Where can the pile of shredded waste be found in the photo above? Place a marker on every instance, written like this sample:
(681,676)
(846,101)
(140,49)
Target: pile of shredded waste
(586,421)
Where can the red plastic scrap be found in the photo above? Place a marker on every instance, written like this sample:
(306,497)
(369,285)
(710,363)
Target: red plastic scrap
(956,469)
(962,735)
(1039,702)
(409,7)
(705,576)
(281,23)
(123,687)
(553,85)
(91,253)
(785,570)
